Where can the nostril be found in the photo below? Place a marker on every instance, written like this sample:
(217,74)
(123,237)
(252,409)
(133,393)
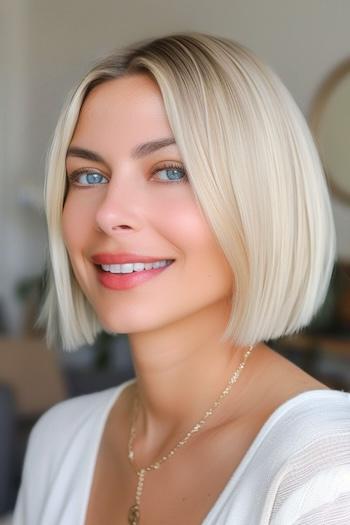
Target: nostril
(123,226)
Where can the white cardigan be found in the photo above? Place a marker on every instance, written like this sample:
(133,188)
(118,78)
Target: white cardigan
(296,471)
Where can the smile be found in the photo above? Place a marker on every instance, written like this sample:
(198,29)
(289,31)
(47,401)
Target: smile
(125,276)
(134,267)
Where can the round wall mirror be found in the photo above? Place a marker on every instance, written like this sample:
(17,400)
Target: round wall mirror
(330,123)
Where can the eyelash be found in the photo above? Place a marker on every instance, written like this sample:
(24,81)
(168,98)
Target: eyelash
(75,175)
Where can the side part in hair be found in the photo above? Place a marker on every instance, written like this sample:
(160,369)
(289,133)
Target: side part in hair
(255,173)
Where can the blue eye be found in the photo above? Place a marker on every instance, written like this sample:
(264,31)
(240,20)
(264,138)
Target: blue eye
(173,174)
(168,173)
(91,178)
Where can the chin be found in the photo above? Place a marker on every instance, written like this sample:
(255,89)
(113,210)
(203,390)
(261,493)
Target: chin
(139,320)
(128,326)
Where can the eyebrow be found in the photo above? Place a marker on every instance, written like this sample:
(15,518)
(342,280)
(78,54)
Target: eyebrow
(141,150)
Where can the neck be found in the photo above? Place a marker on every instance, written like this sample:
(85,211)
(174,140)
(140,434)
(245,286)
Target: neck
(181,370)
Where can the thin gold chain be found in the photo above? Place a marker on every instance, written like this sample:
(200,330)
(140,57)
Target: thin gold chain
(134,511)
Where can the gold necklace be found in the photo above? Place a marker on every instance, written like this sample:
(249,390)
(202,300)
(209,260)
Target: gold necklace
(134,510)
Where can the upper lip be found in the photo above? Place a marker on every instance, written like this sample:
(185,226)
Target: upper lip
(121,258)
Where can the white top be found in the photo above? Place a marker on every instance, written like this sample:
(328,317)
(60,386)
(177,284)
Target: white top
(296,471)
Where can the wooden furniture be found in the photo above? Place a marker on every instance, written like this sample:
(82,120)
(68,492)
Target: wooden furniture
(33,373)
(325,357)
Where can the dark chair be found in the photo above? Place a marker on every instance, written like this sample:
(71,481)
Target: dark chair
(7,447)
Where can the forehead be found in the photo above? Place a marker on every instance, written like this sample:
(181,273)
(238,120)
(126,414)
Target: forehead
(130,107)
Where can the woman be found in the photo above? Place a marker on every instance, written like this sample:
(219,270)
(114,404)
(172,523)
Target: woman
(187,208)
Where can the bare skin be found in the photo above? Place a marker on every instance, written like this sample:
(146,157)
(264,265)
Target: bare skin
(174,321)
(193,484)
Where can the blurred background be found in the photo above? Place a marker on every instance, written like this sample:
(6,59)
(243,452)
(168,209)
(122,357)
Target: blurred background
(45,48)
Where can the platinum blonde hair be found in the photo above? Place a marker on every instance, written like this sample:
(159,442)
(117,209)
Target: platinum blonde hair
(255,173)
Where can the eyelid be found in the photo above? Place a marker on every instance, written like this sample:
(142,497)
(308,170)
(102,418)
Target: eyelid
(79,171)
(167,165)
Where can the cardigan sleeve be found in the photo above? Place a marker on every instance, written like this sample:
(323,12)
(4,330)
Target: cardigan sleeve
(43,450)
(29,492)
(60,450)
(315,485)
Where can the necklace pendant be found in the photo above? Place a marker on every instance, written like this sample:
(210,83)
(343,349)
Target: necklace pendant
(134,515)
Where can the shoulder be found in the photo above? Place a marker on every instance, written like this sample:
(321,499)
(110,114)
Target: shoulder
(304,430)
(66,416)
(295,402)
(66,427)
(322,408)
(313,481)
(57,442)
(310,417)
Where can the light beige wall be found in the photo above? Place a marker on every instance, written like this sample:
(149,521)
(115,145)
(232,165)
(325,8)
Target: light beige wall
(46,46)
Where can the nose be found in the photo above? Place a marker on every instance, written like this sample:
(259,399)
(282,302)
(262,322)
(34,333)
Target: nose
(119,209)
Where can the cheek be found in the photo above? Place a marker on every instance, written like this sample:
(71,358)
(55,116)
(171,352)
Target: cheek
(204,251)
(180,219)
(179,211)
(185,225)
(75,224)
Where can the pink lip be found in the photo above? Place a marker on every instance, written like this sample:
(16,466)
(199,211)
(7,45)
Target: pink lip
(125,281)
(123,257)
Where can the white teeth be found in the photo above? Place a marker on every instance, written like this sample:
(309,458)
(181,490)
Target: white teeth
(138,267)
(126,268)
(133,267)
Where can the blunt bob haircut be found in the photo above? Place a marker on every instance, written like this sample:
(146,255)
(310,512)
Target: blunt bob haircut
(255,173)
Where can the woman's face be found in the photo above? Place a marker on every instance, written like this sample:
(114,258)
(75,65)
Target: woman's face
(126,197)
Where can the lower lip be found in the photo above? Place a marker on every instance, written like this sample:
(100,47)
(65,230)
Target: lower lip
(124,281)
